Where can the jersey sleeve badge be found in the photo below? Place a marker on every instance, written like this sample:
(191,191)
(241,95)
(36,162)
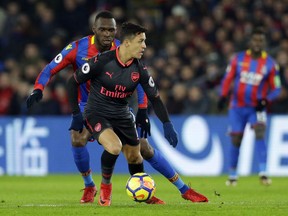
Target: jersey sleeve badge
(69,46)
(135,76)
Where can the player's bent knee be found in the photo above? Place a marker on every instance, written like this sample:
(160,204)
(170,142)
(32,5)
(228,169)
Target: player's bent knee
(259,131)
(132,154)
(146,149)
(78,141)
(237,139)
(115,150)
(134,159)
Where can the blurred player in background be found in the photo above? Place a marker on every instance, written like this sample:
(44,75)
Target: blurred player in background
(256,82)
(76,54)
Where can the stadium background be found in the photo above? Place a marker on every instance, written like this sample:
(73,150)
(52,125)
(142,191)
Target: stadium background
(189,45)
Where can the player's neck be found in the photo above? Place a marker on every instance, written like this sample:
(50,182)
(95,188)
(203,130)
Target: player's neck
(102,48)
(256,55)
(124,55)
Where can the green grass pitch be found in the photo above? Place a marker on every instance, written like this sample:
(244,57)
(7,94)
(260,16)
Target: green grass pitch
(60,195)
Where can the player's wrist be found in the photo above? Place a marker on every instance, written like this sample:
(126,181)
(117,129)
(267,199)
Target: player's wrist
(261,104)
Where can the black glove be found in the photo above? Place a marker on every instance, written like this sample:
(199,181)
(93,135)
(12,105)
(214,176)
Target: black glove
(36,95)
(143,122)
(77,122)
(261,104)
(222,103)
(170,134)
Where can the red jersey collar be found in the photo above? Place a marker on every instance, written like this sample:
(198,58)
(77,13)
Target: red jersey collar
(263,53)
(93,42)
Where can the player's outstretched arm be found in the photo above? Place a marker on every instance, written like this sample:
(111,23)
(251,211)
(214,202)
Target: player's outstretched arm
(61,61)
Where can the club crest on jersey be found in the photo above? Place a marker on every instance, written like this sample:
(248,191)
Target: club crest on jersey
(264,70)
(98,127)
(58,58)
(85,68)
(135,76)
(69,46)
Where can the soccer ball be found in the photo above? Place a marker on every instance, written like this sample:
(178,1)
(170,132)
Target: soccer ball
(140,187)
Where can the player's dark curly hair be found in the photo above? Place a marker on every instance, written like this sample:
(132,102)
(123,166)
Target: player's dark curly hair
(129,29)
(258,30)
(104,14)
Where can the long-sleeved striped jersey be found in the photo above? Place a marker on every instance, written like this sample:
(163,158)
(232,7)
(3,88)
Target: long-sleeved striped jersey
(252,79)
(76,54)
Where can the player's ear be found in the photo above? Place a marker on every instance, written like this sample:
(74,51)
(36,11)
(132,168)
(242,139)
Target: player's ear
(126,42)
(94,29)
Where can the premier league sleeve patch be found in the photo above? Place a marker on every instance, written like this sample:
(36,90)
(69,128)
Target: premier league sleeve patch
(58,58)
(151,82)
(85,68)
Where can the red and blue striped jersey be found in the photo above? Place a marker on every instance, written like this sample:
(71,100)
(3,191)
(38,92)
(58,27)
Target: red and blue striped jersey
(252,79)
(76,54)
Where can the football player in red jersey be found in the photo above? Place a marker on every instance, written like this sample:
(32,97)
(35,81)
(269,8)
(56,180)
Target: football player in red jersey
(256,82)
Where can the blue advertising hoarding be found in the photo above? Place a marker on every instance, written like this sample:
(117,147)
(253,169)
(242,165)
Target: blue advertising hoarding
(41,146)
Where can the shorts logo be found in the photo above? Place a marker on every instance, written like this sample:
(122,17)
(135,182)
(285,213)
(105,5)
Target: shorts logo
(135,76)
(151,82)
(97,127)
(85,68)
(58,58)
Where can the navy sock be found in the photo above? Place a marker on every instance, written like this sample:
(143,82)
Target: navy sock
(135,168)
(108,161)
(82,161)
(159,163)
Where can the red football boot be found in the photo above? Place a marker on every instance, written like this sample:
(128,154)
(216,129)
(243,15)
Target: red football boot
(88,195)
(105,194)
(193,196)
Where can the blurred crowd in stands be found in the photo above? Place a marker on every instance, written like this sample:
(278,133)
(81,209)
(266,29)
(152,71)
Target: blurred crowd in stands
(189,43)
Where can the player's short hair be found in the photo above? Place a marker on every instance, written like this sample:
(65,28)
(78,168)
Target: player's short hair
(129,29)
(104,14)
(258,30)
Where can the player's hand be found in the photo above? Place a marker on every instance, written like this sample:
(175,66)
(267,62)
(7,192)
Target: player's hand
(143,123)
(77,122)
(36,95)
(261,104)
(170,134)
(221,103)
